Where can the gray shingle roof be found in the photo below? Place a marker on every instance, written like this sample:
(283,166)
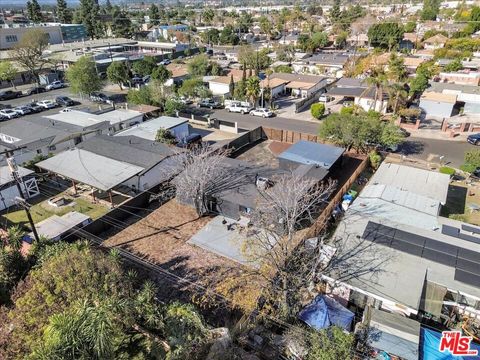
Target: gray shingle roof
(308,152)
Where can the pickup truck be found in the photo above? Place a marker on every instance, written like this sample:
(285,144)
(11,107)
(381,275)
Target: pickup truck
(239,108)
(9,94)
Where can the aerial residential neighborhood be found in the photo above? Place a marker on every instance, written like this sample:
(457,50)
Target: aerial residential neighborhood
(216,180)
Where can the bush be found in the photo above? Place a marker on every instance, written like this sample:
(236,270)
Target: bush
(468,168)
(317,110)
(348,110)
(447,170)
(375,159)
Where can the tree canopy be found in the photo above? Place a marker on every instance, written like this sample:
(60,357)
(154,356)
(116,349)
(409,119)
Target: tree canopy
(117,73)
(361,131)
(385,35)
(83,77)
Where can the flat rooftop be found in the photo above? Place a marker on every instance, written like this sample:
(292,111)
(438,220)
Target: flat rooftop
(148,129)
(309,152)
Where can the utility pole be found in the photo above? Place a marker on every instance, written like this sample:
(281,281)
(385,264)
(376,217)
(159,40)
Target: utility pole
(12,165)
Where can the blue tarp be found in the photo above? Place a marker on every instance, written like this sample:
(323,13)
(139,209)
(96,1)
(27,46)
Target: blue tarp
(430,345)
(324,312)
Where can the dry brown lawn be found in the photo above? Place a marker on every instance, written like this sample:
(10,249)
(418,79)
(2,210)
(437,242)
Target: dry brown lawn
(161,237)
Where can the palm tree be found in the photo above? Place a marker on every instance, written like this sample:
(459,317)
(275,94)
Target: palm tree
(397,94)
(15,236)
(253,89)
(377,80)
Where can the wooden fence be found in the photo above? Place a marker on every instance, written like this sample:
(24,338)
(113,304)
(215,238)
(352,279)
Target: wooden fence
(288,136)
(322,220)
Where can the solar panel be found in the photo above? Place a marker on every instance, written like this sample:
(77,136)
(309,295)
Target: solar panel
(439,257)
(472,229)
(441,246)
(468,266)
(468,255)
(467,278)
(450,230)
(406,247)
(469,238)
(410,238)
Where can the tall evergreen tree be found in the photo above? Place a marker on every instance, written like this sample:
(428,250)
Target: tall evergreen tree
(63,13)
(154,14)
(336,12)
(89,10)
(34,11)
(108,6)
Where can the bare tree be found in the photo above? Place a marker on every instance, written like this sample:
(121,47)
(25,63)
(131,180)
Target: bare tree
(28,53)
(206,174)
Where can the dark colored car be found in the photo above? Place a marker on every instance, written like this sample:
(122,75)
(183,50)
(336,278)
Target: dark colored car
(64,101)
(190,141)
(35,108)
(99,97)
(34,90)
(474,139)
(9,94)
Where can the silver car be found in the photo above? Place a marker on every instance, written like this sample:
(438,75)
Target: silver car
(23,110)
(8,113)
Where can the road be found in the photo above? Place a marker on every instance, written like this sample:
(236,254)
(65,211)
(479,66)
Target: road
(421,148)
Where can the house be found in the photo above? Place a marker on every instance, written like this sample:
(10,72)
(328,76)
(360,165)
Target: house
(465,77)
(148,129)
(179,73)
(323,64)
(409,41)
(112,164)
(289,39)
(395,219)
(8,186)
(277,86)
(300,85)
(311,159)
(358,40)
(220,85)
(469,95)
(437,104)
(357,91)
(412,63)
(39,137)
(108,122)
(58,227)
(435,42)
(166,31)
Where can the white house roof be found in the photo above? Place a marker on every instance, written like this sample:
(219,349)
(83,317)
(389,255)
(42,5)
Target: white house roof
(148,129)
(83,166)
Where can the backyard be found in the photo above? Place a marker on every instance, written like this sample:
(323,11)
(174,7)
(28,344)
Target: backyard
(41,210)
(463,203)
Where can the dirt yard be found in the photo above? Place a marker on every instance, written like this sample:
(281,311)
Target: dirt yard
(161,237)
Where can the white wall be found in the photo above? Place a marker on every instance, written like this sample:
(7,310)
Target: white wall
(54,33)
(218,88)
(367,104)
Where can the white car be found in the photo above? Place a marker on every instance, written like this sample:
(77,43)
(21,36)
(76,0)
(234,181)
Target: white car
(263,112)
(23,110)
(324,98)
(165,62)
(8,113)
(55,85)
(47,104)
(238,108)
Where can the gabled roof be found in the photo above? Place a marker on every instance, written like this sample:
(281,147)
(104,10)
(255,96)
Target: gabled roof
(436,39)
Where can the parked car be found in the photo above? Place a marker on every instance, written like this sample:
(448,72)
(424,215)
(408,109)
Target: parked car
(55,85)
(64,101)
(190,141)
(146,79)
(35,108)
(474,139)
(99,97)
(184,100)
(34,90)
(165,62)
(23,110)
(324,98)
(47,104)
(239,108)
(3,118)
(9,94)
(263,112)
(209,103)
(137,79)
(9,113)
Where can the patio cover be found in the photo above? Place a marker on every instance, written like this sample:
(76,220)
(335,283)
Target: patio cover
(88,168)
(324,312)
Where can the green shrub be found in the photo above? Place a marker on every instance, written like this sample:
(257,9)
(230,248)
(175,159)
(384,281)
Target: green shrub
(447,170)
(317,110)
(458,217)
(375,159)
(468,168)
(348,110)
